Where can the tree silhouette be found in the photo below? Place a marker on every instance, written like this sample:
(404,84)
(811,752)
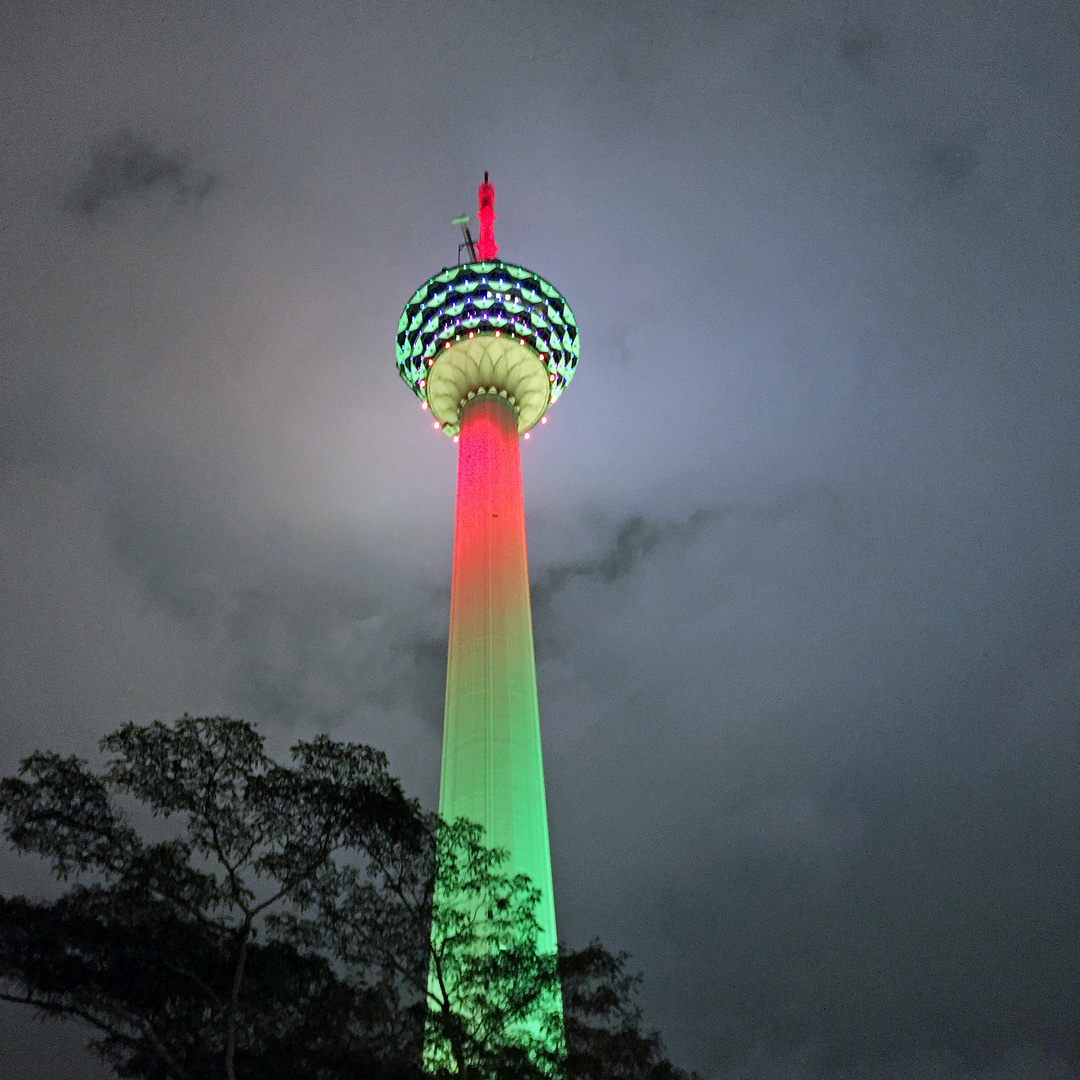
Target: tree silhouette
(277,922)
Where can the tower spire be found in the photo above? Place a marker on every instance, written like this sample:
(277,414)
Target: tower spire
(486,247)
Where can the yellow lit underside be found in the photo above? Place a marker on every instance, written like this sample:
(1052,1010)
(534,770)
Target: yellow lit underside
(487,364)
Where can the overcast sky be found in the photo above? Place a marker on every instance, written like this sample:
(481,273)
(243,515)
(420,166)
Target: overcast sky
(803,530)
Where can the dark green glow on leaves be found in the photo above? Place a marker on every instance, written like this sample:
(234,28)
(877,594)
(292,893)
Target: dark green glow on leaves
(494,998)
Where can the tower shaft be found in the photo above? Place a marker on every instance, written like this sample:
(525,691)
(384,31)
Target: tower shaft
(492,768)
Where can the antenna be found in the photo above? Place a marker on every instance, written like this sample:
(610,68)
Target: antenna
(486,216)
(463,221)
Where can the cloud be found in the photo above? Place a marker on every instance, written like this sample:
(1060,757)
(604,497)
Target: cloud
(942,166)
(632,541)
(629,542)
(128,167)
(1020,1062)
(863,54)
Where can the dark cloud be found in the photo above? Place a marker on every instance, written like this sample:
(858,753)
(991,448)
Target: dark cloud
(945,166)
(429,667)
(889,944)
(862,899)
(629,543)
(625,545)
(863,54)
(128,167)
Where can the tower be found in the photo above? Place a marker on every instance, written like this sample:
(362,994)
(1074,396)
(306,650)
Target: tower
(488,347)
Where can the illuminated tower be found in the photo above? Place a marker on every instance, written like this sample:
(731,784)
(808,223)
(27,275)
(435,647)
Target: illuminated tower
(488,347)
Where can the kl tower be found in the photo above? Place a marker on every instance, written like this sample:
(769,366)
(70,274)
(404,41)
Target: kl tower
(488,347)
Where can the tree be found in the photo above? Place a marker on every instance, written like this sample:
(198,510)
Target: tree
(492,1001)
(158,945)
(604,1039)
(282,923)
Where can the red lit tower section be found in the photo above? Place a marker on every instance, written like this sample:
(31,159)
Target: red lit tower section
(488,347)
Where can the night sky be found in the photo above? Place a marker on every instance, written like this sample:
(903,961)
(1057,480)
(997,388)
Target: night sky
(804,533)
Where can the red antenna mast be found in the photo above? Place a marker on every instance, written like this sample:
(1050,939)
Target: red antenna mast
(486,247)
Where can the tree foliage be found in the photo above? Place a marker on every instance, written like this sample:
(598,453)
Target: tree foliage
(604,1037)
(163,946)
(278,921)
(493,1004)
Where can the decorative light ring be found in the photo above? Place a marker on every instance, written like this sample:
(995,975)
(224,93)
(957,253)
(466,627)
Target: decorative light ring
(491,298)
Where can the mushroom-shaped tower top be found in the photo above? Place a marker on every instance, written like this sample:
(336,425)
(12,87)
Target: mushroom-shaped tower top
(487,327)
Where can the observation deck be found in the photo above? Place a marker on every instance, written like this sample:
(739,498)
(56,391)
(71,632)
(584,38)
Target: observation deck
(487,328)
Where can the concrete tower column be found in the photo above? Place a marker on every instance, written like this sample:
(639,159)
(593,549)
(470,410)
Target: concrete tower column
(492,768)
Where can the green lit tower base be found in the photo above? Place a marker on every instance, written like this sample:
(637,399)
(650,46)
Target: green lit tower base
(487,348)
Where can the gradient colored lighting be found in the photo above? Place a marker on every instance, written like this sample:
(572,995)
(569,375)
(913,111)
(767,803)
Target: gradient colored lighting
(485,389)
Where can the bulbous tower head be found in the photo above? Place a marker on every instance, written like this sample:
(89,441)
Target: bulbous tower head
(487,327)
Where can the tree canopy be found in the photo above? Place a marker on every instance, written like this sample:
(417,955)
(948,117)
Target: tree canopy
(278,921)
